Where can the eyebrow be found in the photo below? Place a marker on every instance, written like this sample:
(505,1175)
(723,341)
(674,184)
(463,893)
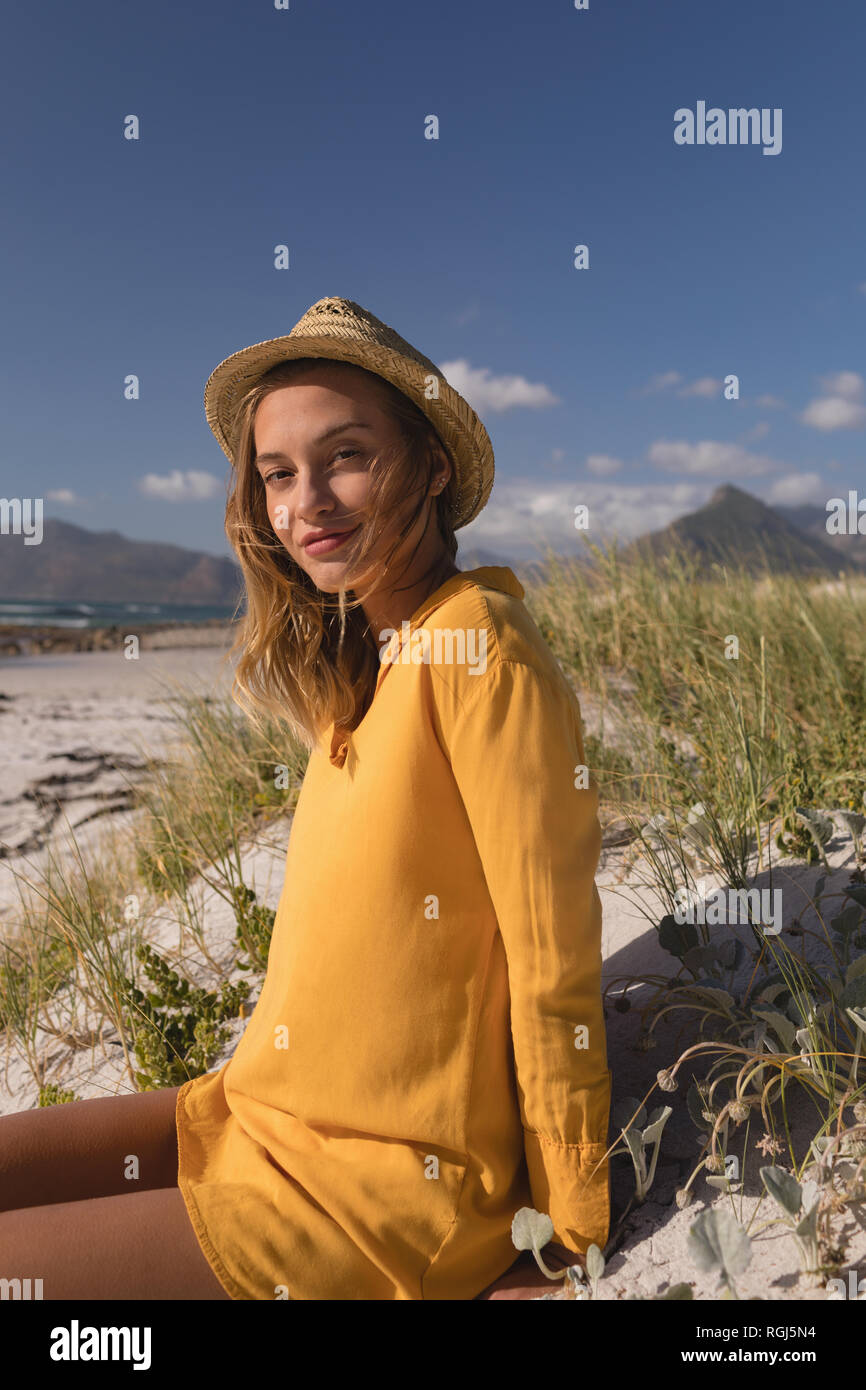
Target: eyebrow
(328,434)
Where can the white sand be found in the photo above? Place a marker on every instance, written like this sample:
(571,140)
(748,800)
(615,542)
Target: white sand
(75,729)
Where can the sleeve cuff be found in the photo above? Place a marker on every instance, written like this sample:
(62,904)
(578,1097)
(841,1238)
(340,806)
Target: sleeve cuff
(565,1188)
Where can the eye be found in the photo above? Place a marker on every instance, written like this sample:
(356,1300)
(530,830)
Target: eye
(279,473)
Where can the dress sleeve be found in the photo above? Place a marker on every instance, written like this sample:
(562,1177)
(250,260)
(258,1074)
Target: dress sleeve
(516,751)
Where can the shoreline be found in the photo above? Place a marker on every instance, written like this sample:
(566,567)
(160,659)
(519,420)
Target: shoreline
(46,640)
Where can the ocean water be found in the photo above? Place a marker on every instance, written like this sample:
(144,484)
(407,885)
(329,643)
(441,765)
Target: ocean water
(71,613)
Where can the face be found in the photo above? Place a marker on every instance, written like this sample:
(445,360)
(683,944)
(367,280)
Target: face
(314,442)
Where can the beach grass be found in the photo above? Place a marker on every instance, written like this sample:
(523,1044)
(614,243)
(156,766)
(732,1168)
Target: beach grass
(733,717)
(76,966)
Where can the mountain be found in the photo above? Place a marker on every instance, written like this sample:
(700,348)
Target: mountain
(813,520)
(99,566)
(737,528)
(475,556)
(526,571)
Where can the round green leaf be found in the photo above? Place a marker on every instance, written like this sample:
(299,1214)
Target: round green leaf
(783,1188)
(717,1241)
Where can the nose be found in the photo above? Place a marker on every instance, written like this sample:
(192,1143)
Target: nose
(311,498)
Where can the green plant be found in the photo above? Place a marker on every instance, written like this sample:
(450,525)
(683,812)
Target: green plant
(227,774)
(717,1242)
(177,1029)
(641,1139)
(41,956)
(255,924)
(796,794)
(799,1206)
(852,823)
(52,1094)
(819,828)
(532,1230)
(840,1175)
(594,1271)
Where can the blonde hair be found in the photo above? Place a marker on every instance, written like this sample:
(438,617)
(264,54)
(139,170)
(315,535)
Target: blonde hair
(304,656)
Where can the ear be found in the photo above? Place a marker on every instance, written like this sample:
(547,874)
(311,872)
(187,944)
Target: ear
(444,468)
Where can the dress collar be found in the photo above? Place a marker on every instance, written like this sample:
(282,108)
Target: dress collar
(487,576)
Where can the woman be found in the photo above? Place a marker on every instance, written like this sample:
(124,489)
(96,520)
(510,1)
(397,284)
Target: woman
(427,1055)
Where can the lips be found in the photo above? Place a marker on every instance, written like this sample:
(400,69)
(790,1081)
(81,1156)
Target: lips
(325,541)
(321,536)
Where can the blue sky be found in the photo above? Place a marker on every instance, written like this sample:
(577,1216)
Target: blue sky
(306,126)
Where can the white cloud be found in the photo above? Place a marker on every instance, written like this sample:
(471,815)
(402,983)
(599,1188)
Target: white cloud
(706,386)
(486,392)
(834,413)
(709,456)
(63,495)
(469,314)
(191,486)
(796,488)
(661,381)
(521,516)
(862,287)
(603,465)
(848,385)
(839,408)
(758,431)
(770,402)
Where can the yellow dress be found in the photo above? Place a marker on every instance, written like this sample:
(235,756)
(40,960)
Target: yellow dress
(428,1052)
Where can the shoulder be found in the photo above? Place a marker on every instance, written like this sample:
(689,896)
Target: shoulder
(484,639)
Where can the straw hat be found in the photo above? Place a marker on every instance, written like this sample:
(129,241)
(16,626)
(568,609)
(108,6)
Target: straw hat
(341,329)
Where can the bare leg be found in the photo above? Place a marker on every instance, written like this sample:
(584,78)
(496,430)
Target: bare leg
(68,1153)
(138,1246)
